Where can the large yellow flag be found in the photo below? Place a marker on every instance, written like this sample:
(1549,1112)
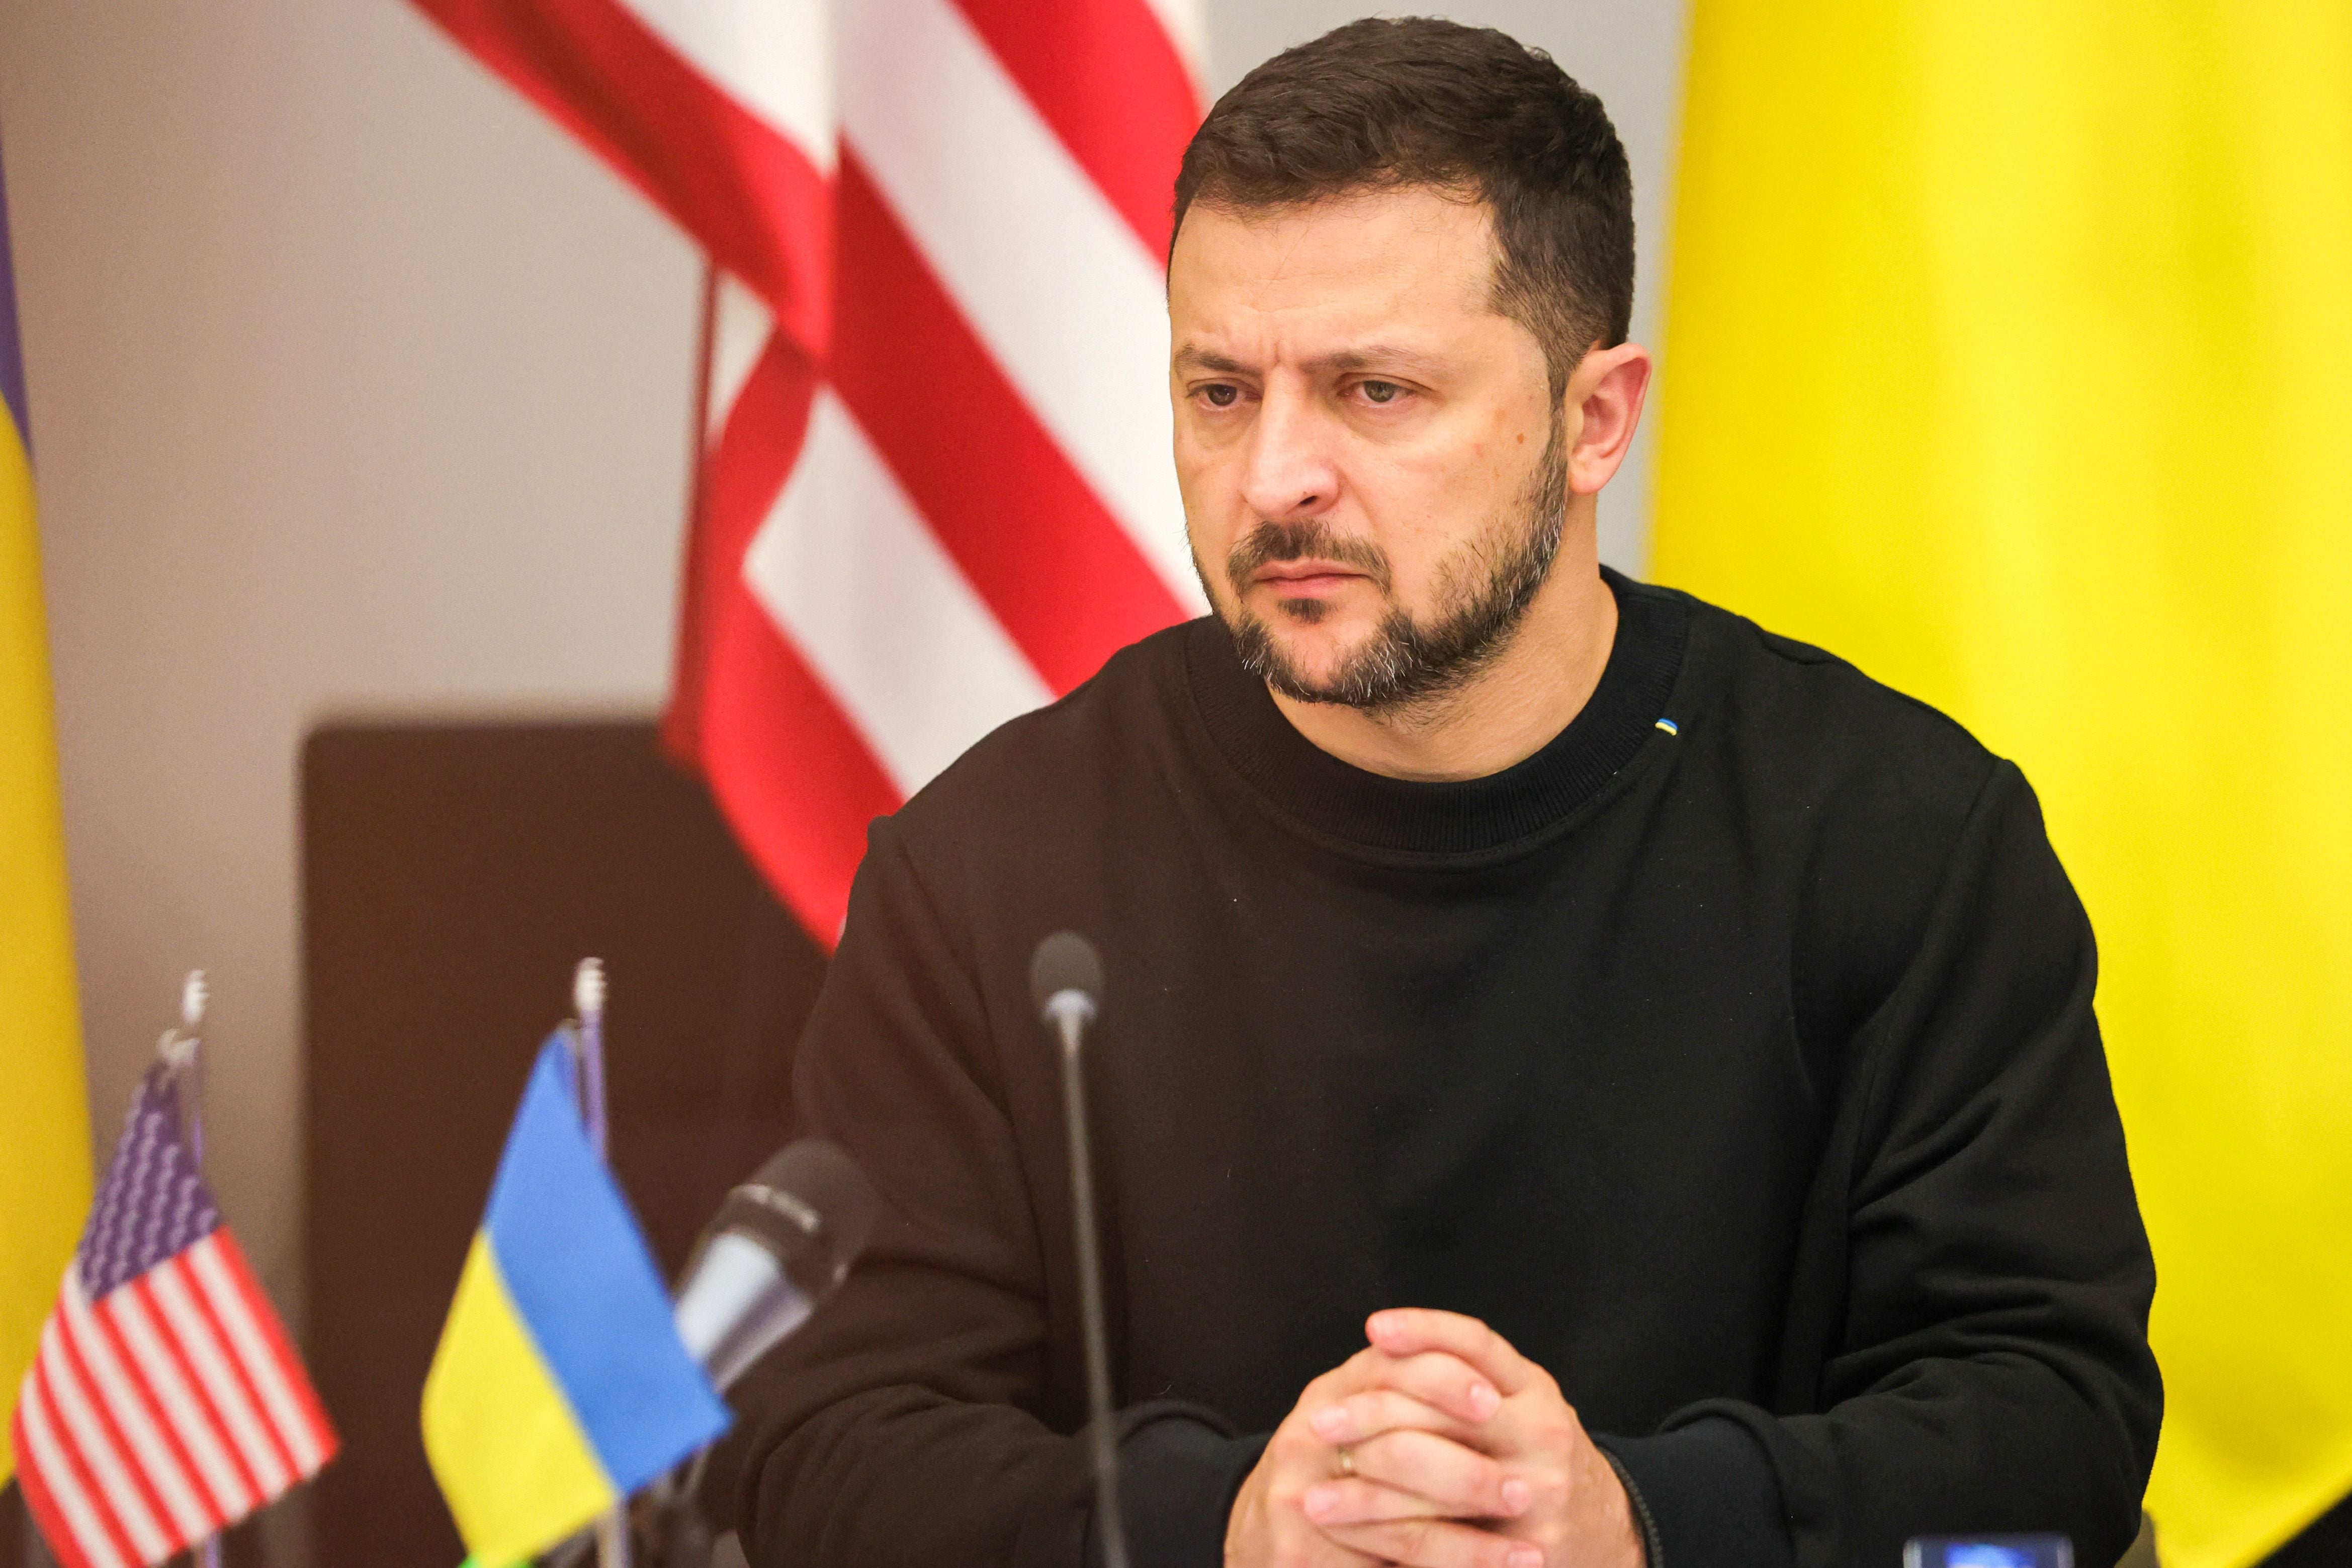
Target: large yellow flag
(2009,354)
(43,1118)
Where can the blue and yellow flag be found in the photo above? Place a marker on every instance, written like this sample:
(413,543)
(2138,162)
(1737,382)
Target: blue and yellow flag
(2010,355)
(560,1384)
(44,1116)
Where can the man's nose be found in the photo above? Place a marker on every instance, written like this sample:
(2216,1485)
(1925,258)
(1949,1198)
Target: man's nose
(1291,472)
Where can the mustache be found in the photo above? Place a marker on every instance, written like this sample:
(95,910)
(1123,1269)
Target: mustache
(1268,542)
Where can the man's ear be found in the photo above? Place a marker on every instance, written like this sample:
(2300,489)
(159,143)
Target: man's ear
(1601,405)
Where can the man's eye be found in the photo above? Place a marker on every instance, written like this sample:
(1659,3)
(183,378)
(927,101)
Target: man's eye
(1381,391)
(1221,394)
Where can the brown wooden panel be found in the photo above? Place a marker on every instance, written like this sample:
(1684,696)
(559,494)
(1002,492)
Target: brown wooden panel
(451,875)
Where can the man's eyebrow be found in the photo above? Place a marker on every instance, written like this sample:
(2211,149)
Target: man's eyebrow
(1192,356)
(1367,356)
(1376,356)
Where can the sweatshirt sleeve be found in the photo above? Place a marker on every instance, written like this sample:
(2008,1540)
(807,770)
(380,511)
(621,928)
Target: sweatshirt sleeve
(1979,1361)
(920,1418)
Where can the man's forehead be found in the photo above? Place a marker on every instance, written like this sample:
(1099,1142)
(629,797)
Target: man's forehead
(1418,248)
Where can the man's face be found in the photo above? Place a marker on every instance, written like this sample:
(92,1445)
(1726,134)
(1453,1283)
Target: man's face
(1369,453)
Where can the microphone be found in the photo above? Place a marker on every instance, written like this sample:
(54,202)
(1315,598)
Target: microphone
(1066,978)
(779,1247)
(781,1243)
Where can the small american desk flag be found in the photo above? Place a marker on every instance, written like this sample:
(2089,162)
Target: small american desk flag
(165,1402)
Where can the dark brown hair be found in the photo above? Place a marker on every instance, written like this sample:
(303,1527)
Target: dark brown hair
(1421,102)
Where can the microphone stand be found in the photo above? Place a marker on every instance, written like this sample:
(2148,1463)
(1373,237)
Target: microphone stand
(1071,1011)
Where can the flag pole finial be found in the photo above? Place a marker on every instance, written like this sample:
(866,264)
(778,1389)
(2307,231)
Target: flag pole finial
(178,1045)
(195,995)
(588,990)
(588,1047)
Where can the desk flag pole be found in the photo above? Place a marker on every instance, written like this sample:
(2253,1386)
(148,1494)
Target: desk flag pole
(180,1050)
(165,1402)
(588,1069)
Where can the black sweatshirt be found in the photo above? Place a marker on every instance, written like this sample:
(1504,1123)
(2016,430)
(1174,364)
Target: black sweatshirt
(1733,1056)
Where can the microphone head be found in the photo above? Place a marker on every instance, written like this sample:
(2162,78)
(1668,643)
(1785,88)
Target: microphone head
(781,1244)
(808,1201)
(1066,961)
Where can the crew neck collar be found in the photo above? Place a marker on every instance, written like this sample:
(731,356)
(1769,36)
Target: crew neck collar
(1457,816)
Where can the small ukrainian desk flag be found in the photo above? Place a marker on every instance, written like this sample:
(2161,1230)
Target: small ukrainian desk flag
(561,1385)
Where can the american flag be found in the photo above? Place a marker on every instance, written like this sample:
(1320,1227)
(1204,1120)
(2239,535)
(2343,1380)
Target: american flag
(165,1402)
(936,487)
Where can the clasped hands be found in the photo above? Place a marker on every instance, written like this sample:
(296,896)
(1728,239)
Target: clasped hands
(1438,1445)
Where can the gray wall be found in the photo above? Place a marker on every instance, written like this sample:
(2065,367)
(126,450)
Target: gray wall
(357,387)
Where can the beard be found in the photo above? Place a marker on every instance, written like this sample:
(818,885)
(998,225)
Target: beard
(1483,589)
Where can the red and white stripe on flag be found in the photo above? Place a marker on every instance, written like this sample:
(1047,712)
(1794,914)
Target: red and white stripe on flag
(937,491)
(162,1412)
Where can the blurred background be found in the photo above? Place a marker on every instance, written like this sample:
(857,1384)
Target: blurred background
(361,399)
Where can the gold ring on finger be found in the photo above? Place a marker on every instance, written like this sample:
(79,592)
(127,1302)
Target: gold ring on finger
(1347,1460)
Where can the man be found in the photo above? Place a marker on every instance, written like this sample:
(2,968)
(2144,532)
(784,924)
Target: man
(1581,1080)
